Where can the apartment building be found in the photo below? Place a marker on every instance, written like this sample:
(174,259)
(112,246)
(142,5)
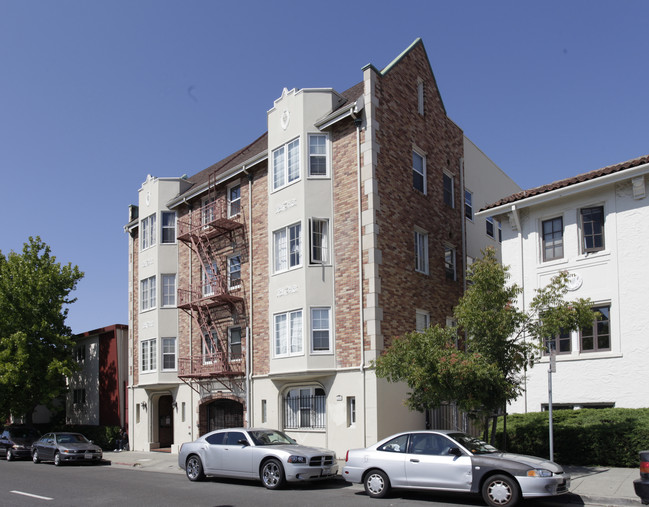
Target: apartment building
(263,287)
(595,227)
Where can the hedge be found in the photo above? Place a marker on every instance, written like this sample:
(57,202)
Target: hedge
(610,437)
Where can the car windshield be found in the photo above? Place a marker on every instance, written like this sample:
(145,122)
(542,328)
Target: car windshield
(71,438)
(475,445)
(270,437)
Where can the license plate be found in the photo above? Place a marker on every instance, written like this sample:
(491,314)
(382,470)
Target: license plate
(325,471)
(89,455)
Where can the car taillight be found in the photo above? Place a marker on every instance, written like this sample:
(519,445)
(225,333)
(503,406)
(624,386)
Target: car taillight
(347,456)
(644,467)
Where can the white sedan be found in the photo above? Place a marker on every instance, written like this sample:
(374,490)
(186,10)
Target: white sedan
(441,460)
(255,453)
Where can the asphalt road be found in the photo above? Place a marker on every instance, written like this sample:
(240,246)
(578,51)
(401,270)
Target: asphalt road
(24,483)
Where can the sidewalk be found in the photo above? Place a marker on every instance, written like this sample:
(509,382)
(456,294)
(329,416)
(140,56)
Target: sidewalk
(589,485)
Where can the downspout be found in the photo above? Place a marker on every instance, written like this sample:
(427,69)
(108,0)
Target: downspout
(358,122)
(517,221)
(249,408)
(131,330)
(463,227)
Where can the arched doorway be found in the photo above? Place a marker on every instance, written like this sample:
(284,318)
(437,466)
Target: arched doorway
(224,414)
(165,421)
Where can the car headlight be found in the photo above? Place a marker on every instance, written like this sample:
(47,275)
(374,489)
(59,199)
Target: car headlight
(296,459)
(539,472)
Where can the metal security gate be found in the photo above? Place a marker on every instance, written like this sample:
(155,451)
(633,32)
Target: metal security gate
(224,414)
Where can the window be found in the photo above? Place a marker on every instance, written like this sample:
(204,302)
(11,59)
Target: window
(305,408)
(449,262)
(500,232)
(319,241)
(598,336)
(148,293)
(419,172)
(398,444)
(234,200)
(168,227)
(429,444)
(592,229)
(168,354)
(490,226)
(210,347)
(468,205)
(320,330)
(234,272)
(448,190)
(208,211)
(288,333)
(422,320)
(351,411)
(209,279)
(147,355)
(80,352)
(420,97)
(234,343)
(168,290)
(552,238)
(318,155)
(79,396)
(286,164)
(421,252)
(287,247)
(264,411)
(561,344)
(148,231)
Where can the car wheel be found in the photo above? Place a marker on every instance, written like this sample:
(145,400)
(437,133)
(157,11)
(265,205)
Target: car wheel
(272,474)
(10,455)
(376,484)
(194,468)
(500,491)
(57,459)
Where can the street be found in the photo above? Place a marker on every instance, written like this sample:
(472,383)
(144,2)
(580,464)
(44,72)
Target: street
(24,483)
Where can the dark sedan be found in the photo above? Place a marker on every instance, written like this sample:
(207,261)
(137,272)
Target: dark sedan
(65,447)
(16,442)
(451,461)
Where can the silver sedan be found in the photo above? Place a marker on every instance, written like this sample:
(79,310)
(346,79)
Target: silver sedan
(441,460)
(264,454)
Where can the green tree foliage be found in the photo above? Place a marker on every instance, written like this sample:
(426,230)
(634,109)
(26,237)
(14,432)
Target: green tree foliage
(485,369)
(35,343)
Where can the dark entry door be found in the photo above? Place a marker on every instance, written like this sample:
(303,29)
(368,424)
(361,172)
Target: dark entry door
(224,414)
(165,421)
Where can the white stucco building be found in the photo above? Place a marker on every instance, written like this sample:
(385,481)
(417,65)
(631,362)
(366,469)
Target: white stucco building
(595,226)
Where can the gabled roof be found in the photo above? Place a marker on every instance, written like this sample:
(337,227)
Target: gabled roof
(568,182)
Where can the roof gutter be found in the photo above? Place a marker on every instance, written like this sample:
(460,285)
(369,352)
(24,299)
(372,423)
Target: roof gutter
(569,190)
(335,117)
(234,171)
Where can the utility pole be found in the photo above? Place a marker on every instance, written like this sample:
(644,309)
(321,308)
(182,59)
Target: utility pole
(551,369)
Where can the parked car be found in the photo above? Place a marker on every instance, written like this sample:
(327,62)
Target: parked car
(265,454)
(641,485)
(64,447)
(441,460)
(16,441)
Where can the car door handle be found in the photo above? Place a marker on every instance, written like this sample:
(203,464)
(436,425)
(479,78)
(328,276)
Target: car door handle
(414,460)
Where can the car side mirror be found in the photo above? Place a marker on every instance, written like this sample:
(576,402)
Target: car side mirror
(455,451)
(243,442)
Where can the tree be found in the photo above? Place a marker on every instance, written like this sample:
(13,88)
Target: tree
(485,370)
(35,343)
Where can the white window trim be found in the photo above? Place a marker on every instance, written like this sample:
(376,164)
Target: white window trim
(162,228)
(207,288)
(424,235)
(241,337)
(288,352)
(163,277)
(451,248)
(329,329)
(490,220)
(163,353)
(152,356)
(230,187)
(426,316)
(148,232)
(230,281)
(326,243)
(285,164)
(204,350)
(151,300)
(286,231)
(466,191)
(327,158)
(423,156)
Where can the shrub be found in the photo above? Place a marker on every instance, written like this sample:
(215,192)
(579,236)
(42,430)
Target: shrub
(587,437)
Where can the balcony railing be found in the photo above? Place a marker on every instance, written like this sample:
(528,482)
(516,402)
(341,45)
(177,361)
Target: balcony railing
(210,365)
(217,292)
(211,219)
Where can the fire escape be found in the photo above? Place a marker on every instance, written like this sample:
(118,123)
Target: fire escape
(212,232)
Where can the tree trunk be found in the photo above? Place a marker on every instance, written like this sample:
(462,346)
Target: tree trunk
(505,429)
(493,429)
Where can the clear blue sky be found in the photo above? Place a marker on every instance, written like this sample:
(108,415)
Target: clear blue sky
(96,95)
